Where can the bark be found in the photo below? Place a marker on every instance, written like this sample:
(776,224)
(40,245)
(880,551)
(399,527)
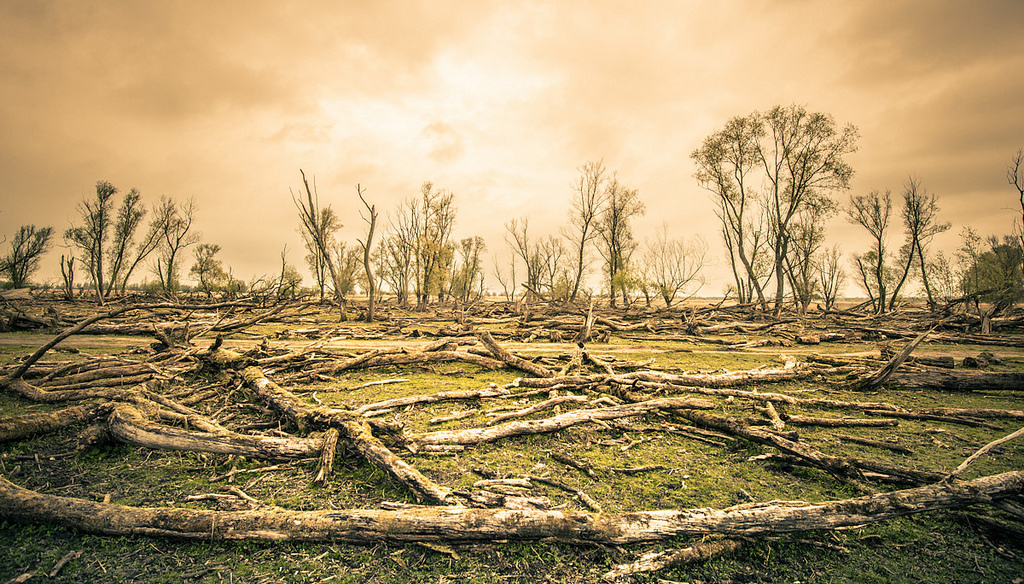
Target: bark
(24,506)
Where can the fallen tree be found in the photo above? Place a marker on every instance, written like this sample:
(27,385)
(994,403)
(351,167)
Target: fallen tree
(466,524)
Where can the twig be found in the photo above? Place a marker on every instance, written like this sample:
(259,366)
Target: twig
(981,452)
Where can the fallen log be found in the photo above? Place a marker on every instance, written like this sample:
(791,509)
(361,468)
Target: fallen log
(957,380)
(554,423)
(14,427)
(24,506)
(511,360)
(355,432)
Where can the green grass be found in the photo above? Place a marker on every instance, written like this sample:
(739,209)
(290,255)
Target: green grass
(941,547)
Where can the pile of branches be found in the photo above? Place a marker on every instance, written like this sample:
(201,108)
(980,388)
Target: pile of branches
(154,402)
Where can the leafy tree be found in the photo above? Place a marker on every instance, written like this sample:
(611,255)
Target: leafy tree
(207,269)
(110,263)
(175,234)
(27,247)
(724,161)
(796,157)
(467,273)
(920,220)
(616,241)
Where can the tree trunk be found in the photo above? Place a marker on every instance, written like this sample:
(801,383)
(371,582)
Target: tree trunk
(466,524)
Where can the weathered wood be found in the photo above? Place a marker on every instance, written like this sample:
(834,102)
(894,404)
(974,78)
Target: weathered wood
(956,380)
(489,391)
(14,427)
(656,561)
(511,360)
(554,423)
(326,465)
(24,506)
(879,378)
(356,432)
(127,424)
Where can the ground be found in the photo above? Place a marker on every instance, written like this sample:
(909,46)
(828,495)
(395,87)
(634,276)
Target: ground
(975,544)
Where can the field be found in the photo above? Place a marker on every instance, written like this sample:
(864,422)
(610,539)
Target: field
(224,413)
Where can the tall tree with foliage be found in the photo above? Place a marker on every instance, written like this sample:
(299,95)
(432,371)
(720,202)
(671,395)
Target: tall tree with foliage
(803,159)
(111,262)
(206,269)
(91,235)
(920,221)
(726,167)
(27,247)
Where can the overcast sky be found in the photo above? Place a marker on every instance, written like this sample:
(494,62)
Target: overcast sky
(499,102)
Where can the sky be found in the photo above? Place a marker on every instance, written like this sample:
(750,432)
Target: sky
(498,102)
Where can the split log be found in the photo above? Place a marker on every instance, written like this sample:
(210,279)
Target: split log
(882,375)
(326,465)
(656,561)
(24,506)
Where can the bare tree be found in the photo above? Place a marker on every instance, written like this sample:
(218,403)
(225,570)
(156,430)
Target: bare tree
(1015,177)
(587,201)
(371,284)
(508,281)
(517,237)
(920,220)
(616,235)
(831,275)
(67,273)
(27,247)
(319,225)
(175,221)
(872,212)
(673,266)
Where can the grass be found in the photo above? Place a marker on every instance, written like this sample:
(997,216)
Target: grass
(941,547)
